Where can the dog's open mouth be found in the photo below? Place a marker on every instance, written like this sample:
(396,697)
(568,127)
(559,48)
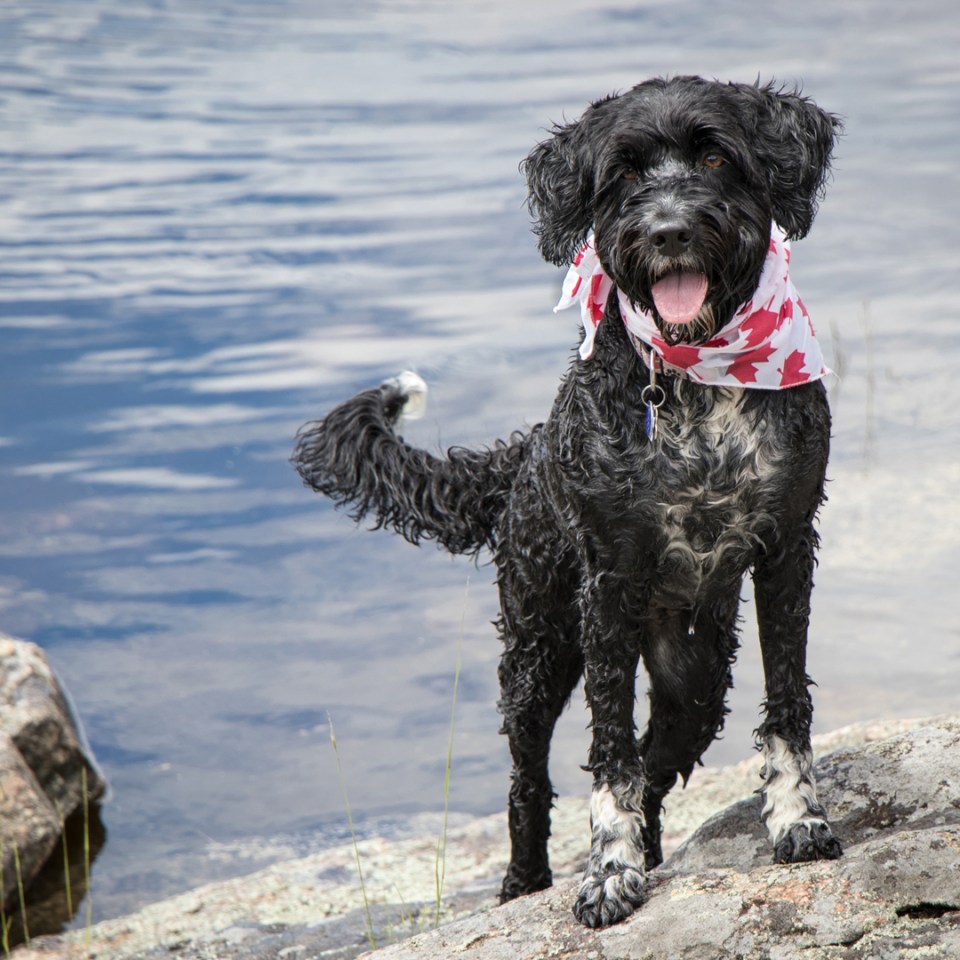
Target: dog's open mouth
(679,296)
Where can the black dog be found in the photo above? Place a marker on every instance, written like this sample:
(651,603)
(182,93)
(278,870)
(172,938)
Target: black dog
(670,466)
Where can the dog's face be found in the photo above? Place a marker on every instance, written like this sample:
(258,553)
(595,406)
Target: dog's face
(679,180)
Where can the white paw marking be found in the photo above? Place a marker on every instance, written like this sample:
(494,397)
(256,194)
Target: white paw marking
(790,795)
(620,830)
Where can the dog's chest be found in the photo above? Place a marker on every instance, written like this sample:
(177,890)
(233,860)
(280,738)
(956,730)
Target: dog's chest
(713,476)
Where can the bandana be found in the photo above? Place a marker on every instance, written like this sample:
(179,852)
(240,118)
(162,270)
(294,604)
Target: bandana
(768,345)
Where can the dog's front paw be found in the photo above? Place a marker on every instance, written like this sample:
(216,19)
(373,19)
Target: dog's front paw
(607,898)
(807,840)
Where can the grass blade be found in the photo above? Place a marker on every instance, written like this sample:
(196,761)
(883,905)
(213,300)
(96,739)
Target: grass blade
(67,886)
(20,893)
(353,835)
(5,921)
(88,920)
(440,864)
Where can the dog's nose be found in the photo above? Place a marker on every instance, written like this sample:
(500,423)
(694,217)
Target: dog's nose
(671,239)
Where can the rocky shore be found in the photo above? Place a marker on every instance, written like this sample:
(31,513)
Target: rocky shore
(892,788)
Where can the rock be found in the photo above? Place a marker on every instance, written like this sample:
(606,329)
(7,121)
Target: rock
(899,783)
(890,896)
(895,803)
(42,759)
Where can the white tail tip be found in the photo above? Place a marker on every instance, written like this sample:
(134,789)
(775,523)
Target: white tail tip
(414,388)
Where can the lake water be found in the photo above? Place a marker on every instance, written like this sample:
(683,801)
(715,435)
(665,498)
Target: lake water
(219,219)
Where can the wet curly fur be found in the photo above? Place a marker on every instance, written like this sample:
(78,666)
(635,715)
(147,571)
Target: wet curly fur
(611,550)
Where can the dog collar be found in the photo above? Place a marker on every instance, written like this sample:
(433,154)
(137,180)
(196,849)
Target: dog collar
(768,345)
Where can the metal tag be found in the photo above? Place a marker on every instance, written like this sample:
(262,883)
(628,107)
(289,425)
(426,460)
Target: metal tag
(652,396)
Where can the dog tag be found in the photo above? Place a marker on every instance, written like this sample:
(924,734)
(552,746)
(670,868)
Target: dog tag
(652,397)
(651,421)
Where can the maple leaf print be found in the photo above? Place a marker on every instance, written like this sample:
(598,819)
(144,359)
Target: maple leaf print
(596,302)
(759,326)
(681,355)
(745,368)
(792,371)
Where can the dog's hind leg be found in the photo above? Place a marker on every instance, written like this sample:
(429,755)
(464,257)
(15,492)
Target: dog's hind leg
(795,819)
(538,672)
(688,657)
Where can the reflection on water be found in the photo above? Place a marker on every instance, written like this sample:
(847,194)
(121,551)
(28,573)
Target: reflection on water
(220,219)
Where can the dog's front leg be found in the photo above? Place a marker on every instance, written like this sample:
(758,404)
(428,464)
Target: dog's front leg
(795,818)
(614,879)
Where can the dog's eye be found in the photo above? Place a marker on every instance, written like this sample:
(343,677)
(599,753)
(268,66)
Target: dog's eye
(713,160)
(631,174)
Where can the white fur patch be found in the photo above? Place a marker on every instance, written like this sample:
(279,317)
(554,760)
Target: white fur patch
(744,451)
(721,457)
(414,388)
(613,882)
(619,830)
(790,794)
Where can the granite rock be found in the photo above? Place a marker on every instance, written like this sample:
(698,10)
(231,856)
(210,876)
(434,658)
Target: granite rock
(895,804)
(46,772)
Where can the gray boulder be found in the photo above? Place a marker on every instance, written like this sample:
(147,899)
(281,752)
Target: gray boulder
(903,783)
(42,759)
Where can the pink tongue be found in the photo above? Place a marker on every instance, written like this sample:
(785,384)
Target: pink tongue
(679,296)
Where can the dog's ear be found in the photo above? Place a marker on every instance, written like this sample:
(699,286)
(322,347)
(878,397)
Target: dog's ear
(795,140)
(559,174)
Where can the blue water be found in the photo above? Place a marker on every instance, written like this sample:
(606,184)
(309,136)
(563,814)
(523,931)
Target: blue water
(218,219)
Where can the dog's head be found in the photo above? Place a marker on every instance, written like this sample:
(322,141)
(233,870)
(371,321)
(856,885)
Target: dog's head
(679,180)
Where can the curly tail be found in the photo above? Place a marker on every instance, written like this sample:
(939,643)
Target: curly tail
(354,456)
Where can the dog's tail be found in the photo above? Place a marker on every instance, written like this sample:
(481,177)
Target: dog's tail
(354,456)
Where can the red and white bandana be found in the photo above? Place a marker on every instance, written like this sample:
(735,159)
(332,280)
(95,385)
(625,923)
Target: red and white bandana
(768,345)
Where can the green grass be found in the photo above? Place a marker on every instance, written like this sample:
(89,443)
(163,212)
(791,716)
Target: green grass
(353,836)
(20,893)
(22,935)
(440,866)
(440,862)
(84,792)
(67,886)
(5,921)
